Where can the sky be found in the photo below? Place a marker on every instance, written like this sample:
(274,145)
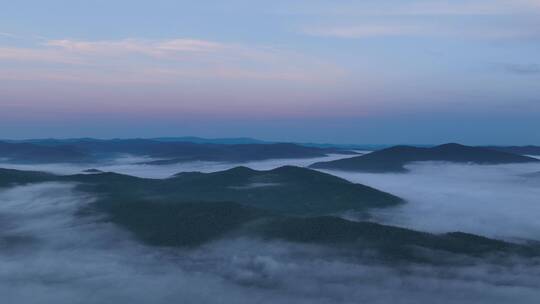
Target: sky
(374,72)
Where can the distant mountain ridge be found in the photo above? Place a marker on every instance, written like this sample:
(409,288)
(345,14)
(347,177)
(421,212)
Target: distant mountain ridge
(395,158)
(171,150)
(93,150)
(39,153)
(524,150)
(191,139)
(220,141)
(201,140)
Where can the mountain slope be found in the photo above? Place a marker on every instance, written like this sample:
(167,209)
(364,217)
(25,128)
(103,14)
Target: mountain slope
(522,150)
(287,190)
(395,158)
(392,242)
(31,153)
(292,190)
(194,224)
(10,177)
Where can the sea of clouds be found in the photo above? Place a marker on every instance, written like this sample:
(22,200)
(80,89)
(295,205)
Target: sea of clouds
(500,201)
(51,254)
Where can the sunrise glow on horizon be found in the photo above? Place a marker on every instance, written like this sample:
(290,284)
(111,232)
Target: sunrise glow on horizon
(339,71)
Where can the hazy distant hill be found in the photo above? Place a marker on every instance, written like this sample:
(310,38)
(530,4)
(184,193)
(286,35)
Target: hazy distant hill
(183,152)
(362,147)
(93,150)
(219,141)
(191,139)
(394,159)
(201,140)
(523,150)
(27,152)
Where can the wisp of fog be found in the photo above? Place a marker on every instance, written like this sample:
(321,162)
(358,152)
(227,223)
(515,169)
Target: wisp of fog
(498,201)
(134,165)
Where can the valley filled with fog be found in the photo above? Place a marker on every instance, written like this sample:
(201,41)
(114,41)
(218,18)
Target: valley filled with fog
(499,201)
(51,254)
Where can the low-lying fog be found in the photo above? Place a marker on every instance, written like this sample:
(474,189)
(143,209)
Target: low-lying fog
(49,255)
(491,200)
(496,200)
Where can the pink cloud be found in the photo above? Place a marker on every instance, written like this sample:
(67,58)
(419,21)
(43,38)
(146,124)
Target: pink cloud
(147,47)
(163,61)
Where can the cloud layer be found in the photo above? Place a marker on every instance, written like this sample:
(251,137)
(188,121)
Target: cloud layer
(497,201)
(477,20)
(49,254)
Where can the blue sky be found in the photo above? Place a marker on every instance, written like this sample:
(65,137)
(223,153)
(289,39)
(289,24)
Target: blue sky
(326,71)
